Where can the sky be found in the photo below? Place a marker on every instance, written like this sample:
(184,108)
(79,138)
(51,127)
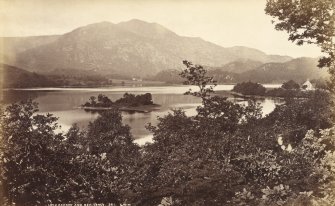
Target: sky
(224,22)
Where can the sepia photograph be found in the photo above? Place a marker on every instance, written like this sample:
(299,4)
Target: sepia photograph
(167,103)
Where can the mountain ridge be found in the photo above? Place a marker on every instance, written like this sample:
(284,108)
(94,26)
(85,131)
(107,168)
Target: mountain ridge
(133,47)
(299,70)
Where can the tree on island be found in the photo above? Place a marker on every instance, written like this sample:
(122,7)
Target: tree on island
(130,100)
(290,85)
(104,100)
(249,88)
(135,100)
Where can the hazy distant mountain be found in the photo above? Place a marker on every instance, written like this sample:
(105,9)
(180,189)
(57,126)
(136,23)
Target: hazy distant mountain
(256,55)
(14,45)
(128,48)
(240,65)
(168,76)
(299,70)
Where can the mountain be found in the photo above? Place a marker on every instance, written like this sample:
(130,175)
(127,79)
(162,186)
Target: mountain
(299,70)
(243,70)
(133,48)
(148,30)
(240,66)
(256,55)
(170,76)
(11,46)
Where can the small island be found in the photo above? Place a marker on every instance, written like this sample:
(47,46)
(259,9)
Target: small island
(129,102)
(289,89)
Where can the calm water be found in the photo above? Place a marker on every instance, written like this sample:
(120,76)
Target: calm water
(64,103)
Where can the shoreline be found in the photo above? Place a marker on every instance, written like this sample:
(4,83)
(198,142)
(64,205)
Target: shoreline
(237,94)
(141,109)
(51,88)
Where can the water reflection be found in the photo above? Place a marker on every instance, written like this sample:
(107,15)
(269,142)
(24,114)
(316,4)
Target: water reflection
(64,103)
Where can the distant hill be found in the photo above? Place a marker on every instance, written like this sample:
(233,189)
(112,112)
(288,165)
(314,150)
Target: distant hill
(240,66)
(169,76)
(14,77)
(133,48)
(299,70)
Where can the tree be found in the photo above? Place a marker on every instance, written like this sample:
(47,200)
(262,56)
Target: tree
(189,161)
(293,119)
(238,159)
(92,100)
(29,154)
(249,88)
(104,101)
(311,22)
(40,166)
(196,75)
(290,85)
(135,100)
(102,160)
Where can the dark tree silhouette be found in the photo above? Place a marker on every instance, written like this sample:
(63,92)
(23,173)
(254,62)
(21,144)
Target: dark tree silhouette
(311,22)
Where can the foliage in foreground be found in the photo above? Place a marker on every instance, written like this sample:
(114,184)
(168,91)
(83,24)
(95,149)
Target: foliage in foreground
(40,166)
(227,154)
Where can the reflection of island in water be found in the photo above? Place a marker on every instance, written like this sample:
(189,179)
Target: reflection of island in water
(130,110)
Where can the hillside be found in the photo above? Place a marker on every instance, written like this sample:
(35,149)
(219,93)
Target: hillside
(14,77)
(129,48)
(240,66)
(299,70)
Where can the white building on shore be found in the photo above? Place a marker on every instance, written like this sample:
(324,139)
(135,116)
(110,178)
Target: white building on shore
(307,86)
